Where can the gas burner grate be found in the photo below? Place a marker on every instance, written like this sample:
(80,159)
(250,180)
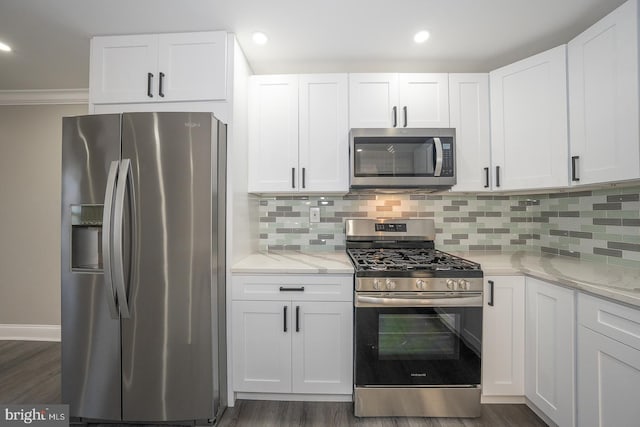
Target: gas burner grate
(408,259)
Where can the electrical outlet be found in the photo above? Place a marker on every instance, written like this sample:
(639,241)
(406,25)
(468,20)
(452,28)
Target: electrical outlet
(314,214)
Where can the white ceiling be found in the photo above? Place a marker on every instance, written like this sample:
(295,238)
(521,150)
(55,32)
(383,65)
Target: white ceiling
(50,38)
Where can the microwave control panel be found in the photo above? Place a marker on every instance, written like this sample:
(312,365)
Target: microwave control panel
(447,159)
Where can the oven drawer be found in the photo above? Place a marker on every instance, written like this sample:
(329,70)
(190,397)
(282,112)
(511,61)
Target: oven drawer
(311,287)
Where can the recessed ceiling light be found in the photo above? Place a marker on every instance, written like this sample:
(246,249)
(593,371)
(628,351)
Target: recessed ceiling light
(421,36)
(260,38)
(5,47)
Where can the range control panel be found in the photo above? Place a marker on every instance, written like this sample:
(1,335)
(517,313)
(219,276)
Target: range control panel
(394,228)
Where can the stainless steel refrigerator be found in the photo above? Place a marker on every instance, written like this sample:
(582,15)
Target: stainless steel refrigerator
(143,273)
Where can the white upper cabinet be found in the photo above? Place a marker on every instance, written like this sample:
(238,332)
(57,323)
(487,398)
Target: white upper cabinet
(398,100)
(529,141)
(298,133)
(469,115)
(603,99)
(158,68)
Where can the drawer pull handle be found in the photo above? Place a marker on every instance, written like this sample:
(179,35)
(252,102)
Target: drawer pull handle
(284,289)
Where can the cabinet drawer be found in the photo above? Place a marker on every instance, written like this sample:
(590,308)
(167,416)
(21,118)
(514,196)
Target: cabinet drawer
(613,320)
(317,287)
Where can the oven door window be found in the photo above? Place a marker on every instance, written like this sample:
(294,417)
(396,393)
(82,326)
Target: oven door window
(418,346)
(407,157)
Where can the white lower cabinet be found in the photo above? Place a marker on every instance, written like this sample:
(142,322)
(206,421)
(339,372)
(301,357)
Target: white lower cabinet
(608,363)
(549,355)
(300,344)
(503,336)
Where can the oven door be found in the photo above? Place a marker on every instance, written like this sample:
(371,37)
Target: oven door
(432,339)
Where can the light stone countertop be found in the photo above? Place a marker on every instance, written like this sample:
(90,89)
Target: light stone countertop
(618,283)
(293,262)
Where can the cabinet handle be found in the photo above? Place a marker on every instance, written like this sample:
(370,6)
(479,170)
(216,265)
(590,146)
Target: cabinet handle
(395,116)
(149,83)
(404,111)
(299,289)
(297,318)
(284,317)
(574,168)
(486,177)
(304,185)
(497,176)
(160,91)
(293,177)
(490,302)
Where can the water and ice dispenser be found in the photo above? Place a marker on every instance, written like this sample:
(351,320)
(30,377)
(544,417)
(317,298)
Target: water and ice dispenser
(86,237)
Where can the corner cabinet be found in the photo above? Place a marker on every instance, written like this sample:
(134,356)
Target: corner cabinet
(529,136)
(469,115)
(608,371)
(503,336)
(604,99)
(158,68)
(550,353)
(298,133)
(293,334)
(386,100)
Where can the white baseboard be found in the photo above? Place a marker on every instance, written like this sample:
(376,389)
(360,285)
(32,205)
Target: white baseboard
(503,399)
(30,332)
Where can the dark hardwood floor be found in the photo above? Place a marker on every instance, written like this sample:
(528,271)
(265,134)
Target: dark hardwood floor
(30,373)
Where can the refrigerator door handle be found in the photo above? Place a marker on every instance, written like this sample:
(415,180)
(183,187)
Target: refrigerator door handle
(106,238)
(125,179)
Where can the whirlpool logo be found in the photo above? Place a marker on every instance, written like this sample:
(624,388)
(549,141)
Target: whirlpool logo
(49,415)
(418,374)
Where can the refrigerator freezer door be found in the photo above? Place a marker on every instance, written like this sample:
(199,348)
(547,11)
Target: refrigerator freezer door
(90,336)
(167,341)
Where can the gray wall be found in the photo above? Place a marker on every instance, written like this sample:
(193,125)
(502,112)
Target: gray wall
(30,146)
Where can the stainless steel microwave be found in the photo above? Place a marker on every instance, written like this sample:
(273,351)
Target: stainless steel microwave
(420,158)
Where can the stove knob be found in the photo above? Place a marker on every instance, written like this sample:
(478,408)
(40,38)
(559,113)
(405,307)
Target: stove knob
(451,284)
(391,284)
(463,284)
(421,284)
(376,284)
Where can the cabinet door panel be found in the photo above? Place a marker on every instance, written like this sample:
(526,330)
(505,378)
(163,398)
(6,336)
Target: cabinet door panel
(608,379)
(322,348)
(273,133)
(469,115)
(194,66)
(426,98)
(529,138)
(549,357)
(372,98)
(119,69)
(603,98)
(324,133)
(503,337)
(261,346)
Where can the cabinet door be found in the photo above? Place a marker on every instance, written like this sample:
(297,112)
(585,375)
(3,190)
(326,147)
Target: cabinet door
(549,343)
(603,99)
(469,115)
(322,347)
(503,336)
(424,100)
(529,122)
(373,100)
(608,379)
(262,346)
(193,66)
(120,68)
(323,133)
(273,133)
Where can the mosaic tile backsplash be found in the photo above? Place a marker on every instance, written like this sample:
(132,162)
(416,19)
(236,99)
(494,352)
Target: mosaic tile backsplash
(599,225)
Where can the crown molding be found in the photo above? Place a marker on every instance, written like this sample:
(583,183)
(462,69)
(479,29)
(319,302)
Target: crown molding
(44,97)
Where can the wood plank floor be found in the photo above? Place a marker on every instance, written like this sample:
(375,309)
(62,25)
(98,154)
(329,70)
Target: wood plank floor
(30,373)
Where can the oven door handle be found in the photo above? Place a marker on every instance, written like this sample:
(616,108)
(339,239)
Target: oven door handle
(448,301)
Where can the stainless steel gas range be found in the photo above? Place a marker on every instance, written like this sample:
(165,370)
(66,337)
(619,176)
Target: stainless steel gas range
(418,322)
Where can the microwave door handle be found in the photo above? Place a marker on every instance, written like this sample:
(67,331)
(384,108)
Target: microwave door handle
(438,168)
